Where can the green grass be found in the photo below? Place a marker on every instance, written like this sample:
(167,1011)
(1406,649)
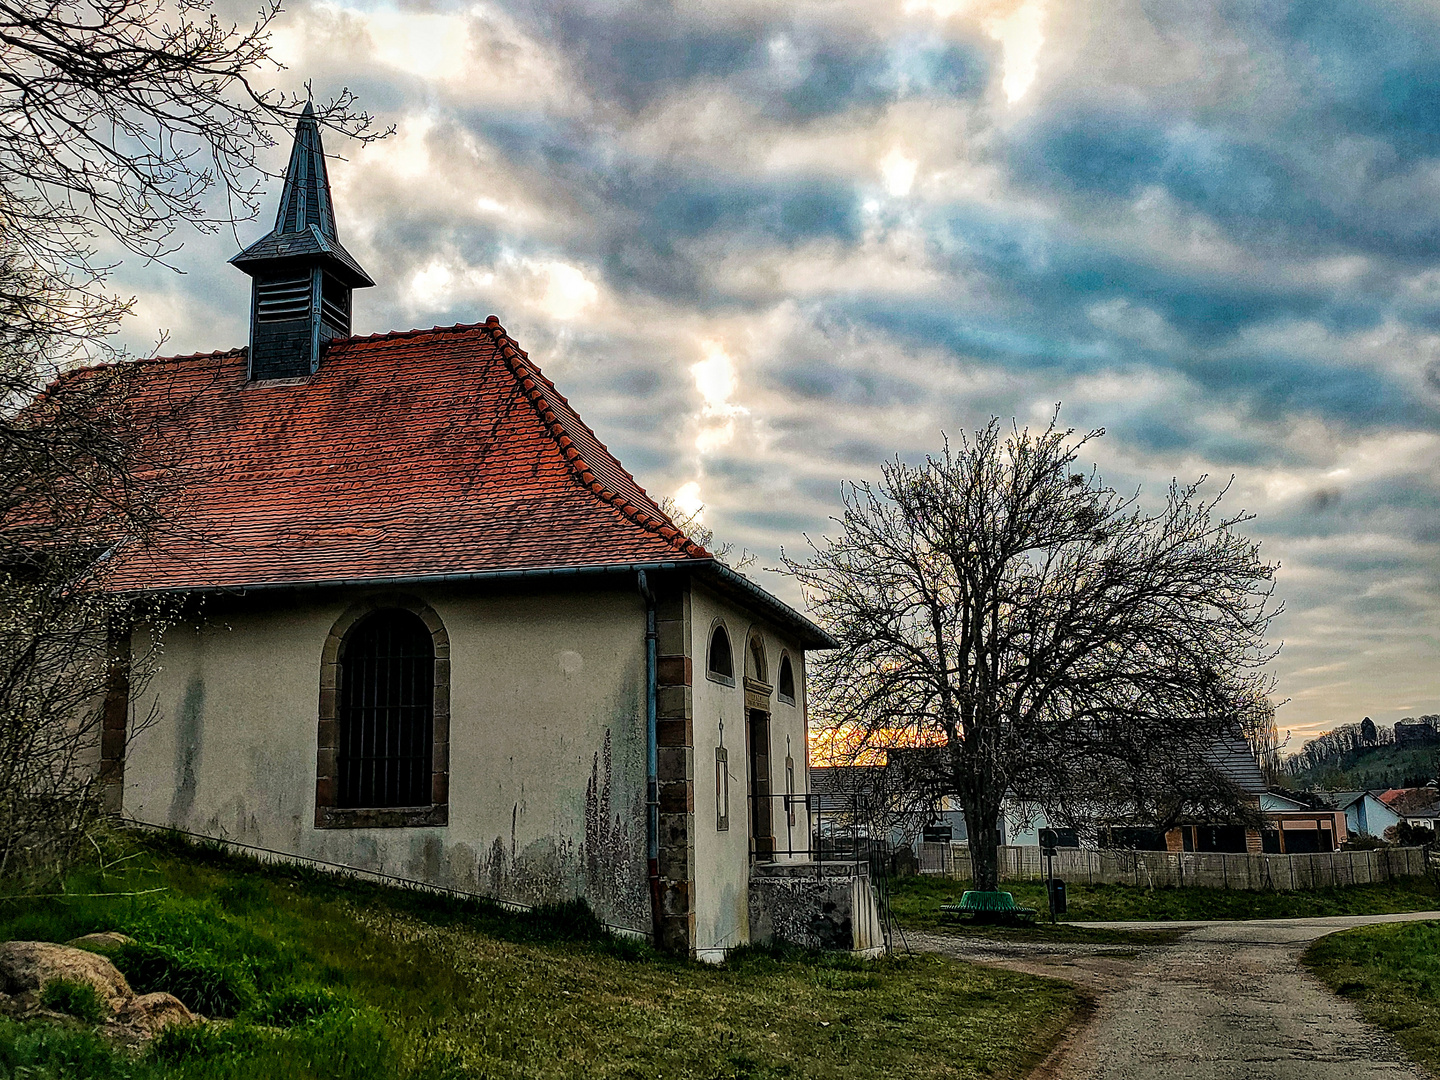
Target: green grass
(916,901)
(325,977)
(1392,974)
(75,997)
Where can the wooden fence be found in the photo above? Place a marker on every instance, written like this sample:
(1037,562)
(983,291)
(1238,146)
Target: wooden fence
(1163,868)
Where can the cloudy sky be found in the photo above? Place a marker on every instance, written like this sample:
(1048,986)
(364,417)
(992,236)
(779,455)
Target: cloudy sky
(764,246)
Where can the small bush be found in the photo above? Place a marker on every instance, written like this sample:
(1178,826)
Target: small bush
(41,1051)
(1363,843)
(207,985)
(75,997)
(300,1005)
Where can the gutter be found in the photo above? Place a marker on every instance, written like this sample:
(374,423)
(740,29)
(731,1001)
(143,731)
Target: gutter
(652,757)
(817,639)
(814,636)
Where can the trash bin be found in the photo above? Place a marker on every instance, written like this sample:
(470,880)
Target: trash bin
(1057,895)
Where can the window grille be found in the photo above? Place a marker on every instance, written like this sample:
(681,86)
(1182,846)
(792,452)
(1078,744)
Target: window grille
(387,696)
(281,301)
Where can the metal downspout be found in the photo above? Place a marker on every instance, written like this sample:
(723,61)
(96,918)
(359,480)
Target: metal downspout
(652,758)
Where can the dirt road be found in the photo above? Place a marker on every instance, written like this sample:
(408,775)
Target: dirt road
(1227,1000)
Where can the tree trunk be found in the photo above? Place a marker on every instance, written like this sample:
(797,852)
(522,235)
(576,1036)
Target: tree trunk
(982,823)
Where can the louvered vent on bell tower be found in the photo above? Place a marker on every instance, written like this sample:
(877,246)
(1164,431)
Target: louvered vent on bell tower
(302,276)
(285,299)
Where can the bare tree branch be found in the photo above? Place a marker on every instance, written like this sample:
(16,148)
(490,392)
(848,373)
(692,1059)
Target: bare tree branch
(122,122)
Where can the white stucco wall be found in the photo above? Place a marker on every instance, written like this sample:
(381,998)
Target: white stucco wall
(547,743)
(722,858)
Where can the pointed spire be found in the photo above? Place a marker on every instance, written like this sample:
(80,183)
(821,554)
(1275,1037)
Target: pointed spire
(305,200)
(305,223)
(301,276)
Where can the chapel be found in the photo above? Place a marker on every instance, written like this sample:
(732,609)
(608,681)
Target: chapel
(430,629)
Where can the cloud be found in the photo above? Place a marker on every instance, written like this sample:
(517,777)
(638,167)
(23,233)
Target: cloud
(764,248)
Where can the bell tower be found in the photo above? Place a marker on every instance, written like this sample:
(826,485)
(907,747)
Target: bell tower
(301,277)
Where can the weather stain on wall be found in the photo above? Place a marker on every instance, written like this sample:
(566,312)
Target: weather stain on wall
(612,852)
(189,735)
(605,866)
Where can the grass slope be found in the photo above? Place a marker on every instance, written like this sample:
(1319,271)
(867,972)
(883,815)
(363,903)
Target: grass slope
(916,901)
(331,978)
(1373,767)
(1392,974)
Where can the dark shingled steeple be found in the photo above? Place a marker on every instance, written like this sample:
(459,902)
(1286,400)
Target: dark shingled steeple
(302,275)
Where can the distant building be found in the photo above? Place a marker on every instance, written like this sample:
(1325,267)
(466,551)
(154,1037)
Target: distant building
(1295,827)
(1415,806)
(1365,813)
(1418,731)
(903,800)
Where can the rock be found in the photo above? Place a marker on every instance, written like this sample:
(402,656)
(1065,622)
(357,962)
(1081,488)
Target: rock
(105,940)
(26,966)
(150,1013)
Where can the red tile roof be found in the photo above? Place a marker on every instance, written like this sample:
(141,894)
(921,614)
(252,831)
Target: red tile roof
(417,454)
(1414,802)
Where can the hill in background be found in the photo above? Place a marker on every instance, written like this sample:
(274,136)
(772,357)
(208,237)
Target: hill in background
(1363,767)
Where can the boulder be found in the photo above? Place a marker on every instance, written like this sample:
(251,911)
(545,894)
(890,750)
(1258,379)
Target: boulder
(150,1013)
(26,966)
(101,942)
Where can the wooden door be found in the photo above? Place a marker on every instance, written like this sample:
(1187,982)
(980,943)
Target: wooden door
(762,833)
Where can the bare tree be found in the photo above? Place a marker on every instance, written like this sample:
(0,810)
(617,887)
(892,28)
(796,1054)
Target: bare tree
(122,122)
(1067,648)
(692,524)
(80,479)
(1262,735)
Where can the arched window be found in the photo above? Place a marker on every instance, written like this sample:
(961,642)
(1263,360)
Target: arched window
(755,666)
(387,698)
(721,664)
(786,687)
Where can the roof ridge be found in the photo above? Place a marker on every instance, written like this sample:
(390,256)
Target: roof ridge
(525,372)
(454,328)
(213,354)
(553,389)
(69,375)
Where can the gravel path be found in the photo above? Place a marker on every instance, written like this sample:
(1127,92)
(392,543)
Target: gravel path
(1227,1000)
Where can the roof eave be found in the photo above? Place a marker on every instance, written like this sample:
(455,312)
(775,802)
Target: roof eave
(521,573)
(312,247)
(810,635)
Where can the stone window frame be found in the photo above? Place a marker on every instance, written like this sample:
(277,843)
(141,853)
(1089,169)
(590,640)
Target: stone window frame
(710,673)
(328,815)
